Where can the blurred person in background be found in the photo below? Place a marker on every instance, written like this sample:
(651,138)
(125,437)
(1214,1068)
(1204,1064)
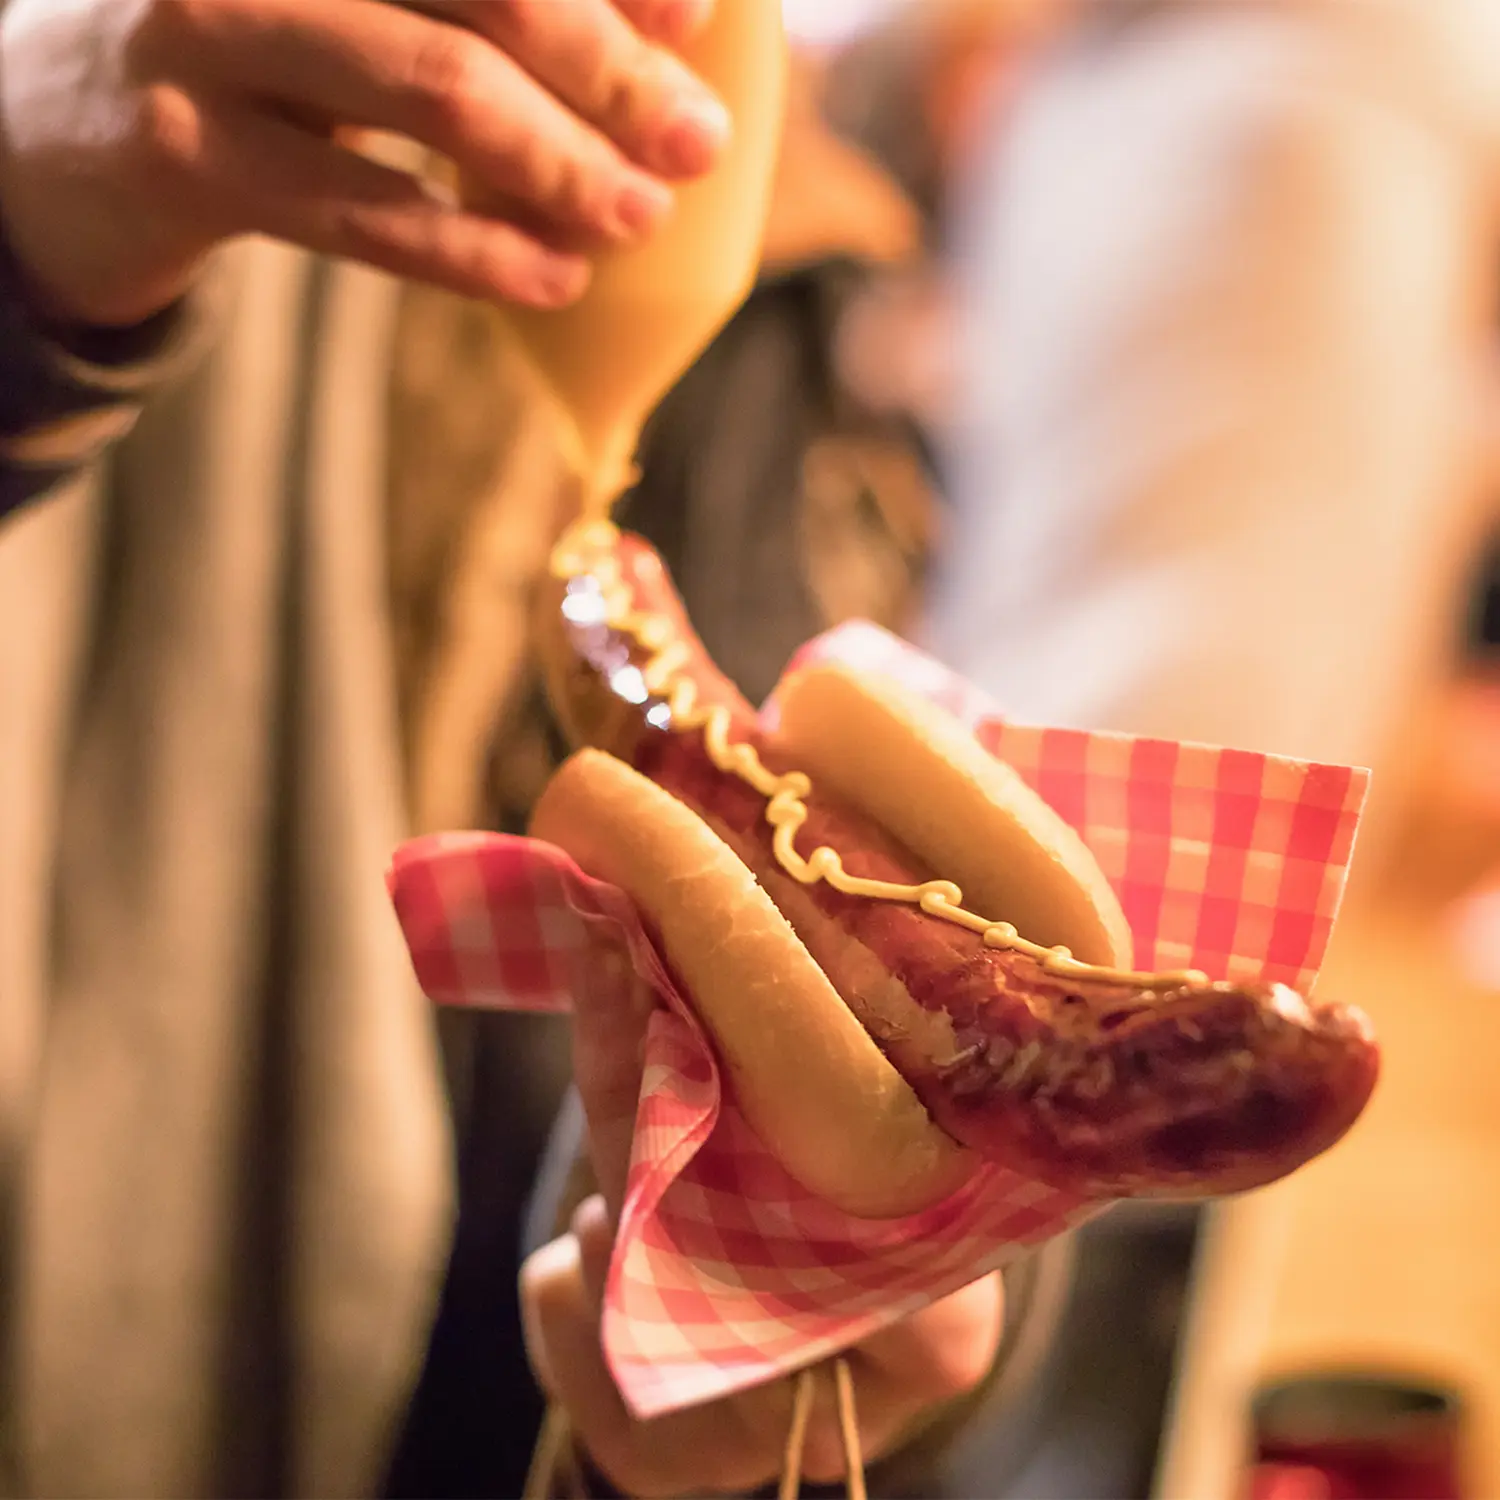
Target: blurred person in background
(257,622)
(916,92)
(1444,861)
(1221,468)
(1228,292)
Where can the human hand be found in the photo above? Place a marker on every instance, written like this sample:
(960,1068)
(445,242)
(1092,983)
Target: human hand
(735,1445)
(137,135)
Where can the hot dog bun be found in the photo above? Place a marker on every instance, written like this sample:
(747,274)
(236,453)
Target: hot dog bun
(791,872)
(918,772)
(811,1083)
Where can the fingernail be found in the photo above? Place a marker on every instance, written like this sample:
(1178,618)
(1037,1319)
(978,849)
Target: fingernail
(641,206)
(560,283)
(591,1219)
(550,1263)
(679,20)
(699,131)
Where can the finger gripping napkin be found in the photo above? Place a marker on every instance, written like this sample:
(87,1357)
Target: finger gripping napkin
(726,1273)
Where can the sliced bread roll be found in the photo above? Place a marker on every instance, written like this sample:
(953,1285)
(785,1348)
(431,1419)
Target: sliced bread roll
(810,1080)
(920,773)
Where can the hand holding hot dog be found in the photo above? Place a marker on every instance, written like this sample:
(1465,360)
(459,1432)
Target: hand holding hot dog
(732,1446)
(137,135)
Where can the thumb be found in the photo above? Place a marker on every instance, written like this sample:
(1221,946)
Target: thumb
(612,1009)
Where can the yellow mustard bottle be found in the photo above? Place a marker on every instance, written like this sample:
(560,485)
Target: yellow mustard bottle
(653,308)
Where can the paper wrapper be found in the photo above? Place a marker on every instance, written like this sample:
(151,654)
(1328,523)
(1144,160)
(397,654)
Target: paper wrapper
(726,1273)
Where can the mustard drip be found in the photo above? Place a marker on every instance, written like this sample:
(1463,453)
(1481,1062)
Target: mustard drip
(586,550)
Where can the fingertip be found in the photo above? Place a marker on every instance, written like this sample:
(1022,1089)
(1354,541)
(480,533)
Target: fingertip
(674,21)
(547,1285)
(640,207)
(560,281)
(591,1223)
(699,130)
(549,1273)
(963,1353)
(689,17)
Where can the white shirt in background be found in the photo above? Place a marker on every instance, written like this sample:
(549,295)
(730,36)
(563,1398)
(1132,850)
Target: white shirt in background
(1225,299)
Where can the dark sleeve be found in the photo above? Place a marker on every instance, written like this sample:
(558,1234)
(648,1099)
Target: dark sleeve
(68,394)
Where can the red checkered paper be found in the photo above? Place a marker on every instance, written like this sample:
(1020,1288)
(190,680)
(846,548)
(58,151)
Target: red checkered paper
(726,1273)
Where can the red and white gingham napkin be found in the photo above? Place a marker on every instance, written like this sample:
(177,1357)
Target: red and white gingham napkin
(726,1273)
